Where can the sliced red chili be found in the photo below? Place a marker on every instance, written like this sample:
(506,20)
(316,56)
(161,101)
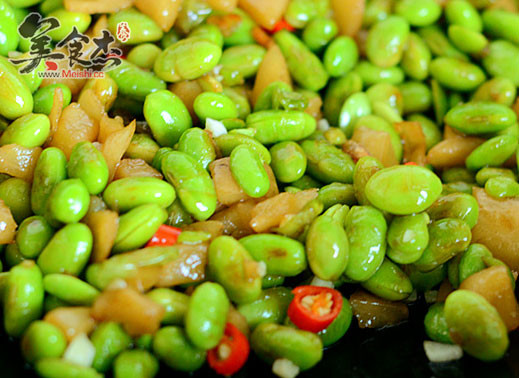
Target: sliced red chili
(281,25)
(314,308)
(410,163)
(231,353)
(165,235)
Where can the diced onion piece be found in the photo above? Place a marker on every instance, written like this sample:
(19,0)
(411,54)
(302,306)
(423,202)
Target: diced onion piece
(438,352)
(80,351)
(215,127)
(316,281)
(323,125)
(285,368)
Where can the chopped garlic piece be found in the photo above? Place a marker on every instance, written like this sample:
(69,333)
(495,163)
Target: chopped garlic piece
(215,127)
(323,124)
(285,368)
(316,281)
(262,268)
(224,351)
(80,351)
(438,352)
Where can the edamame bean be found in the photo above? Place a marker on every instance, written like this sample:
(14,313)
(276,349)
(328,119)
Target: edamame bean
(51,367)
(467,40)
(215,106)
(355,107)
(498,89)
(249,172)
(485,174)
(273,126)
(340,56)
(416,57)
(135,82)
(33,235)
(417,97)
(88,164)
(68,202)
(501,24)
(340,325)
(135,364)
(174,302)
(270,307)
(144,55)
(456,74)
(493,152)
(455,205)
(419,12)
(336,193)
(319,32)
(109,340)
(436,325)
(327,163)
(239,63)
(408,237)
(206,316)
(386,41)
(283,256)
(30,130)
(500,59)
(338,91)
(480,117)
(68,251)
(463,13)
(16,97)
(143,28)
(142,147)
(366,230)
(192,184)
(501,187)
(130,192)
(70,289)
(476,325)
(231,265)
(389,282)
(15,193)
(44,97)
(288,161)
(67,21)
(42,339)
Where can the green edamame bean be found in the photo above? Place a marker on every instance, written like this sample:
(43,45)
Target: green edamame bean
(389,282)
(355,107)
(144,55)
(501,187)
(143,28)
(187,59)
(271,281)
(408,237)
(273,126)
(327,163)
(41,340)
(300,12)
(88,164)
(436,325)
(417,97)
(282,255)
(50,170)
(386,112)
(109,339)
(15,193)
(467,40)
(498,89)
(375,11)
(340,56)
(366,230)
(69,201)
(463,13)
(70,289)
(487,173)
(327,248)
(448,237)
(288,161)
(298,224)
(403,190)
(169,38)
(142,146)
(476,325)
(33,235)
(44,97)
(386,41)
(388,94)
(453,272)
(228,142)
(500,59)
(319,32)
(372,74)
(67,21)
(209,32)
(134,82)
(249,172)
(439,44)
(416,57)
(305,67)
(231,265)
(456,174)
(270,307)
(30,130)
(272,341)
(178,215)
(138,226)
(501,24)
(135,364)
(8,34)
(192,183)
(419,12)
(472,261)
(206,315)
(366,167)
(144,342)
(440,101)
(424,281)
(377,123)
(12,255)
(239,63)
(51,367)
(125,265)
(167,117)
(431,131)
(240,100)
(130,192)
(172,346)
(159,155)
(340,325)
(336,193)
(493,152)
(174,302)
(23,297)
(16,97)
(480,117)
(214,105)
(68,251)
(338,91)
(241,34)
(199,145)
(457,75)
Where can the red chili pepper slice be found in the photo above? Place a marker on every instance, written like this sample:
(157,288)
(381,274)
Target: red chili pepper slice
(165,235)
(314,308)
(281,25)
(231,353)
(410,163)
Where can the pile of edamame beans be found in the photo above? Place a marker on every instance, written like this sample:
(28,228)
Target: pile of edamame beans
(256,176)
